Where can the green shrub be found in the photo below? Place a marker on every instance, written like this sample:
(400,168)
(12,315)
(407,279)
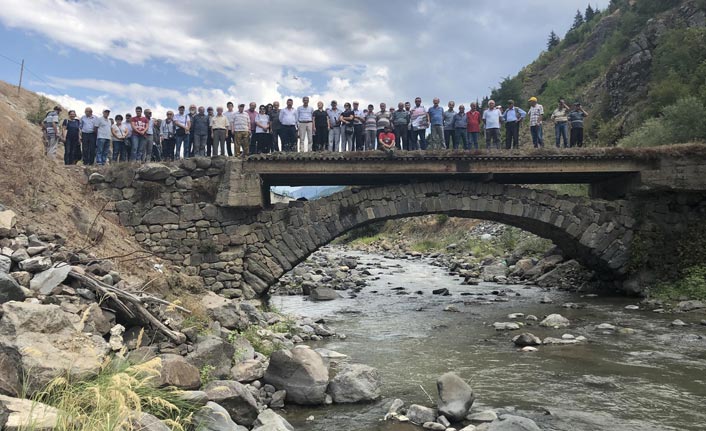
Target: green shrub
(681,123)
(38,115)
(692,285)
(206,374)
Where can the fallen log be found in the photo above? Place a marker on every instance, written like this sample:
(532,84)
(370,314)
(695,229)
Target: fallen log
(130,304)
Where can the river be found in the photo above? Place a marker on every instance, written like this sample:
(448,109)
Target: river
(652,379)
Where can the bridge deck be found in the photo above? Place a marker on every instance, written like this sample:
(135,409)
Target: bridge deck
(335,169)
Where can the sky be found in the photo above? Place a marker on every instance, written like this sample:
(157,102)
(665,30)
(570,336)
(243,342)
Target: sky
(108,54)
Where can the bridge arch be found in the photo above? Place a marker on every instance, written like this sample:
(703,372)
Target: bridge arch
(594,232)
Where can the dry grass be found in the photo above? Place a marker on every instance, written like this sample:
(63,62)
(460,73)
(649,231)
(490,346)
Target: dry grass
(111,400)
(49,197)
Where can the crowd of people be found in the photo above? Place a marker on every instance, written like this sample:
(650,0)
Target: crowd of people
(268,128)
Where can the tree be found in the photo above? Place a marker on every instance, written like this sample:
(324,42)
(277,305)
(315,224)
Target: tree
(589,14)
(553,41)
(578,20)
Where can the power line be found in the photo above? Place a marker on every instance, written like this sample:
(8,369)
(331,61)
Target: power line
(31,72)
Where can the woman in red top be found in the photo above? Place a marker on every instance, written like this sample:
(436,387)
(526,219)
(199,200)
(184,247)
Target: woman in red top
(473,117)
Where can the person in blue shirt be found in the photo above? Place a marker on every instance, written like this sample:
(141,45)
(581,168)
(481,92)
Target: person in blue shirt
(436,118)
(512,117)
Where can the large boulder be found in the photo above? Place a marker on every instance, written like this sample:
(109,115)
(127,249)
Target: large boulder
(10,290)
(147,422)
(35,264)
(5,264)
(153,172)
(546,264)
(177,372)
(8,218)
(46,281)
(28,415)
(10,372)
(455,397)
(323,294)
(522,267)
(513,423)
(38,332)
(225,311)
(235,398)
(555,321)
(248,370)
(214,352)
(420,414)
(494,272)
(213,417)
(355,383)
(526,339)
(268,420)
(301,372)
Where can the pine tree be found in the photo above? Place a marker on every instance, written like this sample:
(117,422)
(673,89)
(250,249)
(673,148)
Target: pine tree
(578,20)
(589,14)
(553,41)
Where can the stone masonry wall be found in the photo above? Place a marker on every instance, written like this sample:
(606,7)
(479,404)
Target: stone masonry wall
(171,211)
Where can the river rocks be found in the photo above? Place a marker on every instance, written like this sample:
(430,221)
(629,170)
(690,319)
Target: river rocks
(147,422)
(235,398)
(225,311)
(484,416)
(526,339)
(546,264)
(555,321)
(434,426)
(301,372)
(46,281)
(153,172)
(513,423)
(268,420)
(678,322)
(355,383)
(506,326)
(177,372)
(443,292)
(452,308)
(420,414)
(213,351)
(685,306)
(10,290)
(37,332)
(248,370)
(566,275)
(323,294)
(455,396)
(213,417)
(28,415)
(5,264)
(553,340)
(605,327)
(494,272)
(35,264)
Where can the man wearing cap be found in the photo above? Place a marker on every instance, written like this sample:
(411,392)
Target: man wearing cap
(103,136)
(334,118)
(536,115)
(288,119)
(576,117)
(182,123)
(52,132)
(149,137)
(88,137)
(304,123)
(241,131)
(512,117)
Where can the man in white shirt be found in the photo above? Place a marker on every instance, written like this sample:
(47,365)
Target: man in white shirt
(288,120)
(305,116)
(230,138)
(103,136)
(491,122)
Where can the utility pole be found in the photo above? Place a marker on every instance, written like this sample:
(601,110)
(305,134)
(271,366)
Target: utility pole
(22,70)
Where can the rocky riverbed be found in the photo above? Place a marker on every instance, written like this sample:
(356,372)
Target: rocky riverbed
(579,361)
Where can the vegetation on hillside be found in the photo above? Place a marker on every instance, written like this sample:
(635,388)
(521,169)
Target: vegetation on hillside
(677,79)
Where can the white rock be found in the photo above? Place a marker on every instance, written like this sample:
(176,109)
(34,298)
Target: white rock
(678,322)
(555,321)
(605,327)
(514,316)
(116,337)
(529,349)
(632,307)
(506,326)
(567,337)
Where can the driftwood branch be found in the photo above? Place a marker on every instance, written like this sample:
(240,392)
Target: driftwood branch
(130,304)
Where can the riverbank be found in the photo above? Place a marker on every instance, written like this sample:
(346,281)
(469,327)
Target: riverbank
(632,357)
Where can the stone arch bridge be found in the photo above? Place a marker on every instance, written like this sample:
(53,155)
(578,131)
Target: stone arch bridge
(185,214)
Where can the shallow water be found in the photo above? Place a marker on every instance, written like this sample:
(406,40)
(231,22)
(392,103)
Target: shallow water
(654,379)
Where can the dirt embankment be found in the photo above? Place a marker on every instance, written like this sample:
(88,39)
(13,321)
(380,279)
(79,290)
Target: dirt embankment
(51,198)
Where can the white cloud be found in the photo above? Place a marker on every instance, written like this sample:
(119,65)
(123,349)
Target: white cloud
(267,50)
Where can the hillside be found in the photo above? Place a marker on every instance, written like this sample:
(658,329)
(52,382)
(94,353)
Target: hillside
(51,198)
(638,60)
